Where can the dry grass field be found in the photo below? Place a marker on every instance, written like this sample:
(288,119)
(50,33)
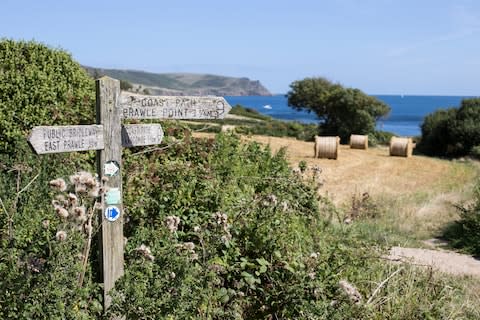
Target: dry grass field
(418,192)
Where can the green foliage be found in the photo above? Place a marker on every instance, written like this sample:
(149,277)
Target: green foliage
(248,112)
(44,265)
(245,242)
(465,233)
(379,138)
(342,111)
(125,85)
(39,86)
(452,132)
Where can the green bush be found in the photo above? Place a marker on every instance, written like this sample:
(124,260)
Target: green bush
(40,86)
(464,234)
(452,132)
(232,232)
(38,275)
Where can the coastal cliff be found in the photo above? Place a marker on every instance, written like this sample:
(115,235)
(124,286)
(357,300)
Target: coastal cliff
(186,84)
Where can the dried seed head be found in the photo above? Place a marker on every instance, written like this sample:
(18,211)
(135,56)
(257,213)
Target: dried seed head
(46,223)
(172,223)
(61,235)
(314,255)
(79,214)
(58,184)
(189,246)
(145,252)
(72,199)
(272,199)
(61,212)
(94,192)
(80,188)
(350,291)
(220,218)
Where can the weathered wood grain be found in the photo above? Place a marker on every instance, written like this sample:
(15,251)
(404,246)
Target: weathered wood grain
(56,139)
(134,135)
(135,106)
(108,115)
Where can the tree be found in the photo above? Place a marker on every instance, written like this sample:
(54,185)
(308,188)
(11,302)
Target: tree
(452,132)
(342,111)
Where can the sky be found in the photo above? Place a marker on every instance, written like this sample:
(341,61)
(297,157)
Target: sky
(379,46)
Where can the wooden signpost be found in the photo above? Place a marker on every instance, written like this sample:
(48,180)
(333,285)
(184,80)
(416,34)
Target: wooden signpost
(108,136)
(135,106)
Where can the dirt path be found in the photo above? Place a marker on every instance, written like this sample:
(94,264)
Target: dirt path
(441,260)
(375,172)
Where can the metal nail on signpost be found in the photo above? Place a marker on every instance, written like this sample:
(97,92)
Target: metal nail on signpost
(108,136)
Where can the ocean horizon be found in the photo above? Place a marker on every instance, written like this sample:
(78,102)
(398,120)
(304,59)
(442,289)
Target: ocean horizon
(405,118)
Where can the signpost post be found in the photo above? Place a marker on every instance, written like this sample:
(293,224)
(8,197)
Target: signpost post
(108,136)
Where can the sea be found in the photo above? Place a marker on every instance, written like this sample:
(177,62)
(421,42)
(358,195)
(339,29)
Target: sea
(405,118)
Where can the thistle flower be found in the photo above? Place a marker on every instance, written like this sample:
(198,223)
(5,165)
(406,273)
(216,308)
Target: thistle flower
(75,179)
(145,252)
(58,184)
(194,257)
(61,212)
(220,218)
(46,223)
(272,199)
(190,246)
(72,199)
(86,178)
(94,192)
(172,223)
(80,188)
(350,291)
(61,235)
(79,214)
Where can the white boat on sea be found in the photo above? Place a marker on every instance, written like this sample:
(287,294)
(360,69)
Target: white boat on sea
(267,106)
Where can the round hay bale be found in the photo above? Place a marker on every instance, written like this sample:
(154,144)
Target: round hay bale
(326,147)
(358,141)
(401,147)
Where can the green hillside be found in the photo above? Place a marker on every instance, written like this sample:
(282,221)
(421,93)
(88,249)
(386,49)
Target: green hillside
(184,83)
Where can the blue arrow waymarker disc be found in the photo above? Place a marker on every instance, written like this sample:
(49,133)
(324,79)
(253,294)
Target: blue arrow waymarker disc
(112,213)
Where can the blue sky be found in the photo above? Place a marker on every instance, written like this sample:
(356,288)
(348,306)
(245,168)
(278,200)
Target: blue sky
(378,46)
